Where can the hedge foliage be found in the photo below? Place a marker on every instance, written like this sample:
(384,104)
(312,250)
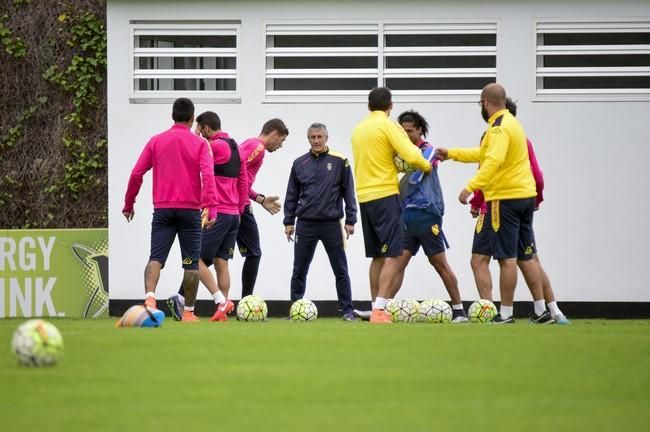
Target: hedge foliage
(53,152)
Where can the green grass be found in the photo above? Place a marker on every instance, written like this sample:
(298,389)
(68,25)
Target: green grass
(330,375)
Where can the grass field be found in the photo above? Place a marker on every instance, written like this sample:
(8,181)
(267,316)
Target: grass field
(333,376)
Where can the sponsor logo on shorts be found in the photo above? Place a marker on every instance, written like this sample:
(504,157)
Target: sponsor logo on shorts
(187,261)
(528,250)
(243,250)
(435,229)
(329,166)
(384,248)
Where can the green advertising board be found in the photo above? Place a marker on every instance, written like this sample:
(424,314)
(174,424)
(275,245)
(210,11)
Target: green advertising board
(54,273)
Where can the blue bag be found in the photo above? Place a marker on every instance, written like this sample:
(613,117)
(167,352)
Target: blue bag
(422,202)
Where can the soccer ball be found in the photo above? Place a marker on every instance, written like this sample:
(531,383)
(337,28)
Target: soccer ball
(37,343)
(482,311)
(303,310)
(252,308)
(405,310)
(401,164)
(435,311)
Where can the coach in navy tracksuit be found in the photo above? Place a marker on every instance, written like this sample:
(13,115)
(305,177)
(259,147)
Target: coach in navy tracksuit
(319,181)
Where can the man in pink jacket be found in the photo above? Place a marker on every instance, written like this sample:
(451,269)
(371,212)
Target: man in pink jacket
(270,139)
(218,240)
(183,183)
(481,248)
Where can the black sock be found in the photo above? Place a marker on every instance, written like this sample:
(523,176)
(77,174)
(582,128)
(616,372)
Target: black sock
(249,275)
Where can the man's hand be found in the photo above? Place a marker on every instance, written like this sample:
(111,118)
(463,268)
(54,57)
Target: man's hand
(474,212)
(442,153)
(128,215)
(464,195)
(208,217)
(349,230)
(271,204)
(288,231)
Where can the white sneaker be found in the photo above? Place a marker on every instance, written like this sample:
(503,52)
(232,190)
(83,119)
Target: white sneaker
(561,319)
(364,315)
(460,319)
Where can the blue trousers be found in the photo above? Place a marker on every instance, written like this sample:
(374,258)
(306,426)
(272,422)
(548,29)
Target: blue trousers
(307,235)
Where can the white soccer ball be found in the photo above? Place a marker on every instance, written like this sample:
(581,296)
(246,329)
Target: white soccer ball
(401,165)
(435,311)
(252,308)
(404,310)
(482,311)
(37,343)
(303,310)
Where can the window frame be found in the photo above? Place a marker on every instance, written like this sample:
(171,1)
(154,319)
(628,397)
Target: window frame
(587,25)
(381,29)
(184,28)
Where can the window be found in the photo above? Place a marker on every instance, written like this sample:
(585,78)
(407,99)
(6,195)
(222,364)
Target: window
(415,60)
(593,59)
(196,60)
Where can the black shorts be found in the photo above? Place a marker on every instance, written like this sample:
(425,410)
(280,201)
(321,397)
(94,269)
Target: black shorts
(482,244)
(218,241)
(165,224)
(511,227)
(248,235)
(383,227)
(433,242)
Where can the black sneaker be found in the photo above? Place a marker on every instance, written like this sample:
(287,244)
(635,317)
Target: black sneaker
(349,317)
(459,316)
(544,318)
(498,320)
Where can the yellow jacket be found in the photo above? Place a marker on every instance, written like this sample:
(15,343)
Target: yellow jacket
(504,171)
(375,141)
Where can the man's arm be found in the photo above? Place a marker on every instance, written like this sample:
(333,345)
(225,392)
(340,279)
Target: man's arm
(291,198)
(537,173)
(467,155)
(242,183)
(144,164)
(209,198)
(348,195)
(495,154)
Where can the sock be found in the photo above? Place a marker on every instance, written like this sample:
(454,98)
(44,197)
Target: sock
(189,308)
(249,275)
(506,311)
(540,307)
(555,310)
(372,305)
(150,294)
(219,297)
(457,307)
(380,303)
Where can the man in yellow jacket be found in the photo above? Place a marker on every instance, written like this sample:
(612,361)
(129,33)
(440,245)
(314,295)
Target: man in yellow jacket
(375,141)
(508,185)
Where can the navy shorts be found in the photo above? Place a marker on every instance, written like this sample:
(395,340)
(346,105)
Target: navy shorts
(383,227)
(166,223)
(511,223)
(482,239)
(218,241)
(248,235)
(433,242)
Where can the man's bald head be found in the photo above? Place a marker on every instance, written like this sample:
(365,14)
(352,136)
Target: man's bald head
(495,94)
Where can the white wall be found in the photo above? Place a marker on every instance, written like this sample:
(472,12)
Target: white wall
(591,231)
